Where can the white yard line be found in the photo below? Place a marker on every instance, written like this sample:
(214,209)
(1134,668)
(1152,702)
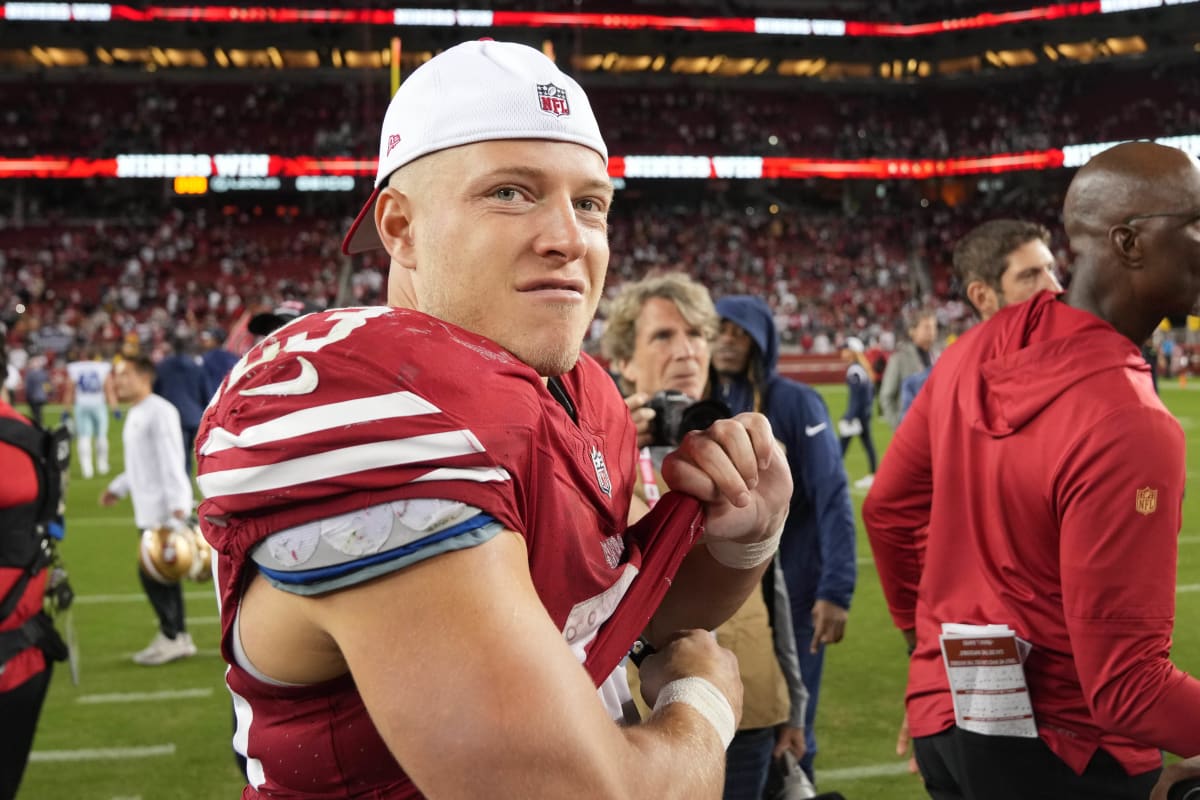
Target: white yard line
(94,599)
(826,776)
(144,697)
(104,753)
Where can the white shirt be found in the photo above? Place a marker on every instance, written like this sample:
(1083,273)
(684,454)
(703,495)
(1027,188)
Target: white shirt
(89,377)
(154,471)
(12,378)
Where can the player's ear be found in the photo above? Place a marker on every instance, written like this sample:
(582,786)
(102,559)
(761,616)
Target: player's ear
(394,220)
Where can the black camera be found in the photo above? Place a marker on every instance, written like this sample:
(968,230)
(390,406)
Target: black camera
(676,414)
(1185,790)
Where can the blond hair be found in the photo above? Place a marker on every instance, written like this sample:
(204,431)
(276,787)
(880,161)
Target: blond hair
(690,296)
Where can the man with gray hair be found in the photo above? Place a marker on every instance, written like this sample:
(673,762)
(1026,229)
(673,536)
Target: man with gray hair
(427,575)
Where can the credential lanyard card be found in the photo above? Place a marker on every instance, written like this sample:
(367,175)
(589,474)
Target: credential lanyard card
(984,664)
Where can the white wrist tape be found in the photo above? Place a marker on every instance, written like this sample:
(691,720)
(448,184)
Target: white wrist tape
(701,695)
(741,555)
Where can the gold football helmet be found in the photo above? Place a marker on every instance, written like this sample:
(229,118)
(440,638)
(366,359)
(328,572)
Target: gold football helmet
(166,555)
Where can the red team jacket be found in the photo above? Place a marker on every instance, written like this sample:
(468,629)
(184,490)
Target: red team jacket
(357,407)
(1060,478)
(19,487)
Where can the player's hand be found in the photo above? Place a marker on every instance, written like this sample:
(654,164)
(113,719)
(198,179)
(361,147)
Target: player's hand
(107,498)
(1172,774)
(903,742)
(643,417)
(789,738)
(693,653)
(829,624)
(739,472)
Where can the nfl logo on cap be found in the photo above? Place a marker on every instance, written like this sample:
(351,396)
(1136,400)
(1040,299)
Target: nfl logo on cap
(553,100)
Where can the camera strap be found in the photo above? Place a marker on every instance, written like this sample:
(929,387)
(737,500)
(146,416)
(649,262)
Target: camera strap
(649,479)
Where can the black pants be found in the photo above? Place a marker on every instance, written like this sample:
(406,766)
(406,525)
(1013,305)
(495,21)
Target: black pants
(868,443)
(960,765)
(19,710)
(167,601)
(35,412)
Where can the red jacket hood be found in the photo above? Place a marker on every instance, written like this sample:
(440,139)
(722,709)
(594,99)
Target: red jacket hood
(1030,353)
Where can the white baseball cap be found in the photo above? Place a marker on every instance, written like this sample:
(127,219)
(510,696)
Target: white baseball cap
(854,343)
(476,92)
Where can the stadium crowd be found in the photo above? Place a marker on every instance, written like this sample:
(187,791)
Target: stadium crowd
(1016,114)
(827,272)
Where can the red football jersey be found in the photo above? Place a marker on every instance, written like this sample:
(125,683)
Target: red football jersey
(354,408)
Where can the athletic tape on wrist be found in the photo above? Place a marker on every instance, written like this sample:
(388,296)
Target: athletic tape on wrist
(701,695)
(739,555)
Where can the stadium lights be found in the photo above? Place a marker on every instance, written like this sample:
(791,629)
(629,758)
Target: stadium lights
(434,17)
(252,170)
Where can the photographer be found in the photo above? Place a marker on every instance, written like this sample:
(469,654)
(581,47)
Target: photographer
(29,499)
(657,338)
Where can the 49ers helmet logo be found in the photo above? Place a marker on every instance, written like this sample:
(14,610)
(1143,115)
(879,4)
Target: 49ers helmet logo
(553,100)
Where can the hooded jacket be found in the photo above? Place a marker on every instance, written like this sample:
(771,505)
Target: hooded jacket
(1037,482)
(817,549)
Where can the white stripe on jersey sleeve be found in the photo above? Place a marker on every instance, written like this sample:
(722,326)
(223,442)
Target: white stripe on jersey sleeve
(477,474)
(345,461)
(320,418)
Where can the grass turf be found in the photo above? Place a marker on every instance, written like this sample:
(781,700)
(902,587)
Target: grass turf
(113,736)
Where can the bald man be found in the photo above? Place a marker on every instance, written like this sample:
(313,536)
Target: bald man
(1037,483)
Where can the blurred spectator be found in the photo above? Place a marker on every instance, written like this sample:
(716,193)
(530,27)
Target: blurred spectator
(37,387)
(216,360)
(182,380)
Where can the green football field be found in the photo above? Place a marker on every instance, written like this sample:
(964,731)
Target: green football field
(155,733)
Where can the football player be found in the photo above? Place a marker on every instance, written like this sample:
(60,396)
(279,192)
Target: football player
(420,511)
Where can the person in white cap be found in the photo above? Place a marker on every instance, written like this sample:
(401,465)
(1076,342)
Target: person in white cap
(420,511)
(860,386)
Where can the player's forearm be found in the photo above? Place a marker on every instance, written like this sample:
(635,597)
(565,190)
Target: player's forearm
(680,755)
(703,594)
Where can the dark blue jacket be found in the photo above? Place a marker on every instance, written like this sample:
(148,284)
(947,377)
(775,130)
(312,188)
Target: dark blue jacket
(184,382)
(817,550)
(862,394)
(217,364)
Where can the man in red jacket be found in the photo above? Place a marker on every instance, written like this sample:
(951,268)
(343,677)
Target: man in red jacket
(1038,484)
(24,668)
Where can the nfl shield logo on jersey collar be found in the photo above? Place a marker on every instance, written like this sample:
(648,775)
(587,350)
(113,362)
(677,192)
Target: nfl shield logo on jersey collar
(601,471)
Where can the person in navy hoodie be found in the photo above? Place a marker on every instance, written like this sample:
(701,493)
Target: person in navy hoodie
(183,381)
(856,421)
(817,550)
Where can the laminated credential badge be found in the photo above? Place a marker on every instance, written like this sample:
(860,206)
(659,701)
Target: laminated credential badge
(985,667)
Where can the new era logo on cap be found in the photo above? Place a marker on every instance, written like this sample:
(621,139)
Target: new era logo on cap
(553,100)
(393,140)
